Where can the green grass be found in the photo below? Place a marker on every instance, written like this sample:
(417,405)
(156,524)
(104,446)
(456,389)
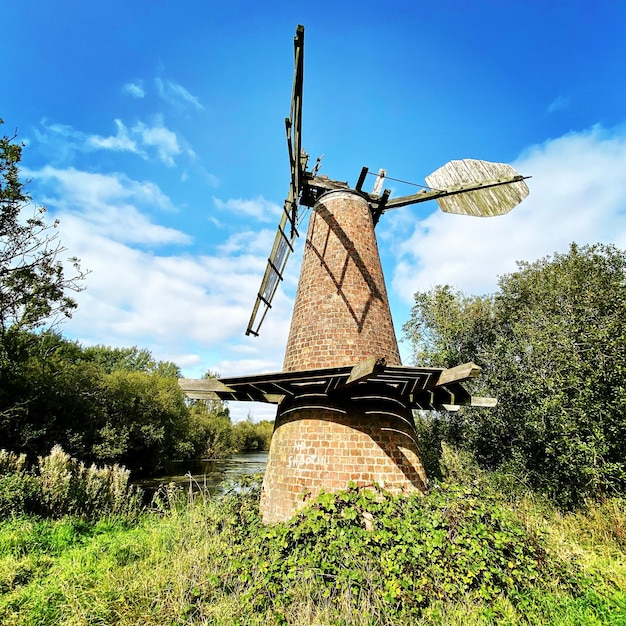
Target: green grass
(461,555)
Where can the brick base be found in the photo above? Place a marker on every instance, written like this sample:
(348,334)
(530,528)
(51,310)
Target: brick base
(321,443)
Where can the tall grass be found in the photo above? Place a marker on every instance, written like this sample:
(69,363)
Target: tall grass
(461,555)
(59,485)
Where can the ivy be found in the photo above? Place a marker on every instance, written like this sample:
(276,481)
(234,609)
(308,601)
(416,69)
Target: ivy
(413,551)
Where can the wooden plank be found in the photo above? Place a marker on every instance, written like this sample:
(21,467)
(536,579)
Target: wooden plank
(458,374)
(202,395)
(203,385)
(274,398)
(483,402)
(438,194)
(364,370)
(492,199)
(475,401)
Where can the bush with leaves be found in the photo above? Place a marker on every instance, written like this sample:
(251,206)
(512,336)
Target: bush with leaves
(97,407)
(405,553)
(552,345)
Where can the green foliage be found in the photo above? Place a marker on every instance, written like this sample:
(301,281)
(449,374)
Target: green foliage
(453,543)
(551,345)
(133,359)
(447,328)
(249,436)
(60,485)
(349,559)
(102,405)
(33,282)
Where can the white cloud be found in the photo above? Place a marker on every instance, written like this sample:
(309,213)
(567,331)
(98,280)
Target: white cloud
(176,94)
(162,139)
(192,310)
(577,193)
(110,203)
(136,89)
(142,139)
(121,142)
(258,208)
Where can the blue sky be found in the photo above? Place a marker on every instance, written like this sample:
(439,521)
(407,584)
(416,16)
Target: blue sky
(155,133)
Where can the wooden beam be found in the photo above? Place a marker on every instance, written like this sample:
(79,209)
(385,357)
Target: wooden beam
(204,386)
(457,374)
(364,370)
(274,398)
(475,401)
(359,183)
(380,207)
(483,402)
(425,195)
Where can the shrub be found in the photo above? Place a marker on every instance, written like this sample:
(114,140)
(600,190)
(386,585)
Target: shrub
(60,485)
(404,553)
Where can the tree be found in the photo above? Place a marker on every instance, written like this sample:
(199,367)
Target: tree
(552,344)
(130,360)
(33,283)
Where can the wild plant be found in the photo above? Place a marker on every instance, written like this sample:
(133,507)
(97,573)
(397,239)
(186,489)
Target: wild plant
(61,485)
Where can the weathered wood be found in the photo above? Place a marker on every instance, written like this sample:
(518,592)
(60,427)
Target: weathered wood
(504,188)
(458,374)
(274,398)
(438,194)
(362,175)
(380,180)
(423,387)
(474,401)
(204,386)
(483,402)
(364,370)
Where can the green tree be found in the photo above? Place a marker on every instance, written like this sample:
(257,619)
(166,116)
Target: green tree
(130,360)
(552,344)
(59,395)
(34,285)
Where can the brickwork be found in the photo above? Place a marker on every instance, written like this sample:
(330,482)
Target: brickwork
(322,443)
(341,317)
(341,314)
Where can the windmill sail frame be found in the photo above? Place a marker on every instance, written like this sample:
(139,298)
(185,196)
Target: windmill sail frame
(287,228)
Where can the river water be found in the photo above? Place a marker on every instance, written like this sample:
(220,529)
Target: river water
(208,474)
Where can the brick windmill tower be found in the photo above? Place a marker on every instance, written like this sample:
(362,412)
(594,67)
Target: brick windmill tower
(345,402)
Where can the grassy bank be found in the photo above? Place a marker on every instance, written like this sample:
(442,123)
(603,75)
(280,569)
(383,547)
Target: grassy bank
(460,555)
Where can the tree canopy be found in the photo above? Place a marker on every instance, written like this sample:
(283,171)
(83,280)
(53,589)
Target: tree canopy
(552,345)
(34,284)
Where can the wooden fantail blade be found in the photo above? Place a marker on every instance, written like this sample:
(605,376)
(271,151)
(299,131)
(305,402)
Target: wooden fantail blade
(492,188)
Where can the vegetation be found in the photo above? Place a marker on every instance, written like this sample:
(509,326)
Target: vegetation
(113,406)
(33,281)
(102,405)
(551,342)
(463,554)
(59,485)
(79,546)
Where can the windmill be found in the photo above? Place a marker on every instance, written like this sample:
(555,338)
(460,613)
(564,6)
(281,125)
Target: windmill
(345,402)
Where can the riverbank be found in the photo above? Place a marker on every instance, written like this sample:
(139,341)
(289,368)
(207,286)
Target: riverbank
(460,555)
(208,474)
